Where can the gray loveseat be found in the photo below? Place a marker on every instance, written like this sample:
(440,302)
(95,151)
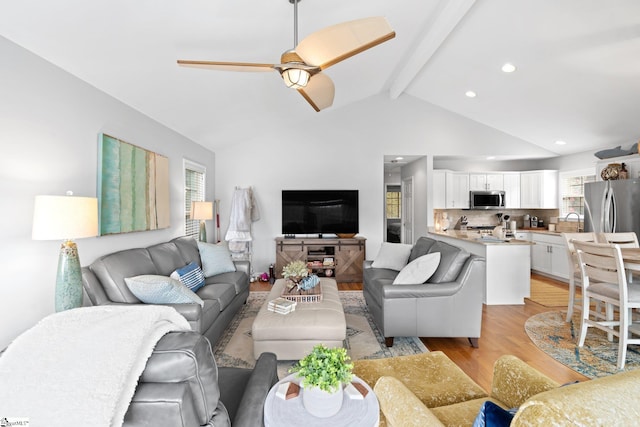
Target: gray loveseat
(223,294)
(182,387)
(449,304)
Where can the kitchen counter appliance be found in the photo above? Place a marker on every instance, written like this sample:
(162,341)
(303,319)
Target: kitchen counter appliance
(486,199)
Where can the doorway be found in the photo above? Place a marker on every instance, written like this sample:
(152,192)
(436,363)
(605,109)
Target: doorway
(394,213)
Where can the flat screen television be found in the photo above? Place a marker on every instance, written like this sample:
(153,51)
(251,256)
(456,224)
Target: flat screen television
(319,211)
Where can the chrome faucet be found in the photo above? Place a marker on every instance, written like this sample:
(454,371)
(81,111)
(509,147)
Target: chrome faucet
(566,218)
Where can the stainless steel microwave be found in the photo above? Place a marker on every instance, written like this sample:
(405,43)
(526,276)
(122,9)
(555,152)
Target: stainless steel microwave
(486,199)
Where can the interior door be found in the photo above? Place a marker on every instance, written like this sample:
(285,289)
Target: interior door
(407,210)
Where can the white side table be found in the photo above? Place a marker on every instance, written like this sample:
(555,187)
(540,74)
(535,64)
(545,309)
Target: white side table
(291,413)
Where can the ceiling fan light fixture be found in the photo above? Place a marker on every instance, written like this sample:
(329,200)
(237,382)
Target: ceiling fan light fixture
(296,78)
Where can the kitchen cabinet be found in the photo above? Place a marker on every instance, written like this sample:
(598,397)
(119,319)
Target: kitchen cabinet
(485,181)
(539,189)
(549,255)
(439,189)
(457,190)
(511,181)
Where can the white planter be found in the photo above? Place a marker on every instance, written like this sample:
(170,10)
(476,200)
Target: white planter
(320,403)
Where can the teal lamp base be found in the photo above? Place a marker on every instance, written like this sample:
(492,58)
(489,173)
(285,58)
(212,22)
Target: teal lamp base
(203,232)
(69,278)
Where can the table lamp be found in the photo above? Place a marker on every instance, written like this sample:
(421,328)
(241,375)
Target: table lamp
(202,211)
(66,218)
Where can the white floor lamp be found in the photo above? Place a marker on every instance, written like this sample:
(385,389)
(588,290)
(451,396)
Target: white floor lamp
(65,218)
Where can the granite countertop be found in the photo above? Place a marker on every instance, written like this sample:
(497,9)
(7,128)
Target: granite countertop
(476,237)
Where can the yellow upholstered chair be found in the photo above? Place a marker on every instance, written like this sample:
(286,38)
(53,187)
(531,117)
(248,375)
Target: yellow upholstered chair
(604,279)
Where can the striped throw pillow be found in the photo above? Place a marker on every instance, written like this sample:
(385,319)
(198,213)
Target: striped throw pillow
(190,275)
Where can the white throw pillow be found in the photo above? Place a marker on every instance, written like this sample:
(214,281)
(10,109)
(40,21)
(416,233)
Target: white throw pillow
(392,255)
(419,270)
(152,289)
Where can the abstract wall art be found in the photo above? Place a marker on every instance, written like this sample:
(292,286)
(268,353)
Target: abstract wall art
(133,187)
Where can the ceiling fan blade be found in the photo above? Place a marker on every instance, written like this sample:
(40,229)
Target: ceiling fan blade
(333,44)
(319,92)
(227,66)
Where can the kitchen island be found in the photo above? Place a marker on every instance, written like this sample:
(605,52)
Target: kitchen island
(508,264)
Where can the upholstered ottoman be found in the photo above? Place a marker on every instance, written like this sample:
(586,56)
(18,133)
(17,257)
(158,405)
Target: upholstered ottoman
(292,336)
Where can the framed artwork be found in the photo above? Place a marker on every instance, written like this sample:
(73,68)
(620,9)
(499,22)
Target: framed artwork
(133,187)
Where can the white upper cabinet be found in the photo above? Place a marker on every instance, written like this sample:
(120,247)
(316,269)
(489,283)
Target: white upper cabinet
(457,190)
(511,188)
(539,189)
(485,181)
(439,189)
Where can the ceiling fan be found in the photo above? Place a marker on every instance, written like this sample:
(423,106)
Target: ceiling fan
(301,68)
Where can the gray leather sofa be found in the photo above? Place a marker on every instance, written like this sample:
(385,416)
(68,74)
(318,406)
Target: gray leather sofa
(223,294)
(182,387)
(449,304)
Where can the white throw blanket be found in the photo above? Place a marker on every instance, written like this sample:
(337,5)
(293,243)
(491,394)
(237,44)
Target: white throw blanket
(244,210)
(81,367)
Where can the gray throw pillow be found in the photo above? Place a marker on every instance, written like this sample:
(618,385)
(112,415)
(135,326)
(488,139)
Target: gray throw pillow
(452,258)
(421,247)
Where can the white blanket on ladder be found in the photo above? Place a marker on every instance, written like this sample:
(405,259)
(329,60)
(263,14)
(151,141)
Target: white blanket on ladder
(81,367)
(244,211)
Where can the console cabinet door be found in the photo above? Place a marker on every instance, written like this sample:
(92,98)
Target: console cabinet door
(349,260)
(285,253)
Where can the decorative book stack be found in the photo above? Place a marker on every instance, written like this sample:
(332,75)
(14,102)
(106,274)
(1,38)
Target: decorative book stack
(282,306)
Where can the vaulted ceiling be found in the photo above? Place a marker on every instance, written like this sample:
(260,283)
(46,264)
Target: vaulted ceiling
(577,62)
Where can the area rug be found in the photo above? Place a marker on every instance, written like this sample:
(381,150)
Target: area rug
(597,358)
(364,340)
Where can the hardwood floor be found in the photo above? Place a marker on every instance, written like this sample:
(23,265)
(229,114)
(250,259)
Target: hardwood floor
(502,333)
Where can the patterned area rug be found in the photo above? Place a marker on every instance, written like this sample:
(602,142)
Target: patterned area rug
(598,358)
(364,340)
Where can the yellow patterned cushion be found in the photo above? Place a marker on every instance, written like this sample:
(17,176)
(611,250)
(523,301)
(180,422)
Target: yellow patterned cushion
(607,401)
(432,377)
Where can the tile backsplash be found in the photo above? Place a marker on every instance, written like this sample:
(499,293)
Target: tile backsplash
(489,217)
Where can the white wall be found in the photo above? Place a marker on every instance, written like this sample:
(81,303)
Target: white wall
(345,148)
(49,126)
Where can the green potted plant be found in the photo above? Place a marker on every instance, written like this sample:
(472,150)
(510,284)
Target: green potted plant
(295,271)
(323,372)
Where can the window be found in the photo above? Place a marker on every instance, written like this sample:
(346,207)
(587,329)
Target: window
(194,177)
(393,202)
(572,191)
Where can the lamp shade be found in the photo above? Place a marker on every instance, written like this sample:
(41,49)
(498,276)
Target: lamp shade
(295,78)
(64,217)
(202,210)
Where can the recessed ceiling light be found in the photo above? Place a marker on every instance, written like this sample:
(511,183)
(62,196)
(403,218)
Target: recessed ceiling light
(508,67)
(560,142)
(491,157)
(399,158)
(470,94)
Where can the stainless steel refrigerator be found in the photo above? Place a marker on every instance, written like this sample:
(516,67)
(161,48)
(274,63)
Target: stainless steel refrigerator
(612,206)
